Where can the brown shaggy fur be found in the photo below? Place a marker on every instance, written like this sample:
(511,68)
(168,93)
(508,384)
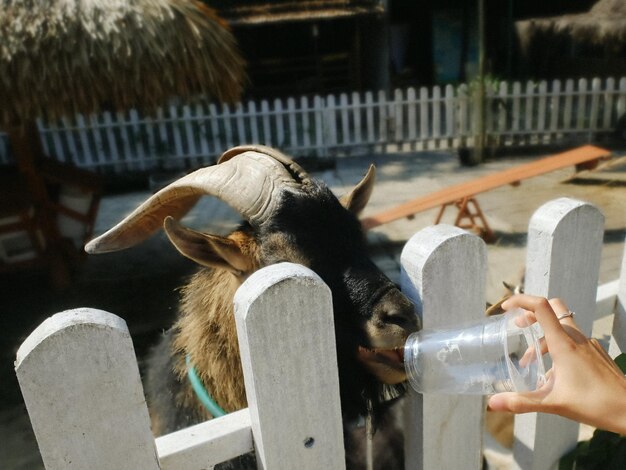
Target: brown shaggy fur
(207,332)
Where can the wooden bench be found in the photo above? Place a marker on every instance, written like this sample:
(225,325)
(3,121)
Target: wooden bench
(462,195)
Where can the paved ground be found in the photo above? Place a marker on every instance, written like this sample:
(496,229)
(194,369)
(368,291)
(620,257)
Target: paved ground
(140,284)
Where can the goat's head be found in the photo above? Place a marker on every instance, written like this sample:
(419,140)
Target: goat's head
(290,217)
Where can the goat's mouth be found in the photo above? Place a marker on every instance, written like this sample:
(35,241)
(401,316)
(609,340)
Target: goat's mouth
(386,364)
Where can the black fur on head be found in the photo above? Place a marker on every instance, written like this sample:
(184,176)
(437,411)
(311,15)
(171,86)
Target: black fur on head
(319,232)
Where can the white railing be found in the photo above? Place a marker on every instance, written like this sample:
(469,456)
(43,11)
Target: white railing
(80,380)
(412,119)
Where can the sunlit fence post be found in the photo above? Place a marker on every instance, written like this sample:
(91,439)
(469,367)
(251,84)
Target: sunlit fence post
(563,260)
(443,272)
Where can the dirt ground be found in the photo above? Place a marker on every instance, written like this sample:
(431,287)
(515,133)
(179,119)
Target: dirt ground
(140,284)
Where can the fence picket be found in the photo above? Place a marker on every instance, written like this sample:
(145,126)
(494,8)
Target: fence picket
(463,130)
(330,121)
(383,119)
(240,114)
(450,130)
(290,426)
(278,122)
(215,130)
(436,113)
(398,115)
(356,116)
(621,100)
(581,106)
(69,139)
(83,139)
(503,112)
(293,128)
(320,129)
(100,156)
(345,120)
(140,154)
(554,108)
(306,123)
(267,128)
(203,134)
(369,118)
(110,138)
(529,109)
(84,362)
(608,98)
(228,128)
(411,99)
(4,142)
(556,231)
(569,97)
(164,141)
(515,115)
(424,121)
(541,108)
(124,129)
(434,259)
(254,122)
(174,127)
(594,111)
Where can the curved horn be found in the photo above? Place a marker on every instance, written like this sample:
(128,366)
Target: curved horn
(249,181)
(299,173)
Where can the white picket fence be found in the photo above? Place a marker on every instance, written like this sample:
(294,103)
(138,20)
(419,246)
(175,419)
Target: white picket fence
(182,136)
(80,379)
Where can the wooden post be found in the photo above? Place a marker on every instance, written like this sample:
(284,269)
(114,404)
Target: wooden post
(443,272)
(287,342)
(81,385)
(564,244)
(477,155)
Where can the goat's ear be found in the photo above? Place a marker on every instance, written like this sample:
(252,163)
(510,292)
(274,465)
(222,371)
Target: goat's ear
(356,200)
(205,249)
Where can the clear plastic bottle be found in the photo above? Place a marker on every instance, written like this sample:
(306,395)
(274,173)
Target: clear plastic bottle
(499,354)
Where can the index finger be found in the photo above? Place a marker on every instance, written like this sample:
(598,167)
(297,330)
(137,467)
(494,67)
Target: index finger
(543,312)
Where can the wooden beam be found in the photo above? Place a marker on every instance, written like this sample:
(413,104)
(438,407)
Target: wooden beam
(458,192)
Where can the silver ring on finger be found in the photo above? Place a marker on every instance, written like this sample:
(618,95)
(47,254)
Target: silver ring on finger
(567,314)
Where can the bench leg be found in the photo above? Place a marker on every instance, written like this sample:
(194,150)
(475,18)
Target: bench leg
(469,216)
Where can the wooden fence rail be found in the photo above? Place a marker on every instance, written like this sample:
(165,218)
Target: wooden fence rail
(80,379)
(191,135)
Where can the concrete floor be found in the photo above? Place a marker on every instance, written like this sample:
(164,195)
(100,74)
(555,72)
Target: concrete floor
(140,284)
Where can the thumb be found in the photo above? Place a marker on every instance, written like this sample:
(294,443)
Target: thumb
(515,402)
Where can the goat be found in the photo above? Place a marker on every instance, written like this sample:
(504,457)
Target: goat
(288,216)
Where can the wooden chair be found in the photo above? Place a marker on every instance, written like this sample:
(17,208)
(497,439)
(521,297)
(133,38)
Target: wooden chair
(22,239)
(39,228)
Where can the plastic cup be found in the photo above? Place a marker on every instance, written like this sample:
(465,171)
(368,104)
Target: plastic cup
(498,354)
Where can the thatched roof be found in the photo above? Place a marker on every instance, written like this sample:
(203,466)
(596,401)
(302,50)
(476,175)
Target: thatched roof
(604,23)
(60,57)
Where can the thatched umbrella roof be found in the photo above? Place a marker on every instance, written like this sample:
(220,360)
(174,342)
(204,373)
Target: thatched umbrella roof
(60,57)
(604,24)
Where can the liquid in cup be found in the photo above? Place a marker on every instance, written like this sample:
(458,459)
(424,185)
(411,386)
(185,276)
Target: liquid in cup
(498,354)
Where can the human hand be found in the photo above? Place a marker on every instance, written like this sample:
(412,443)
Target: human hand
(584,383)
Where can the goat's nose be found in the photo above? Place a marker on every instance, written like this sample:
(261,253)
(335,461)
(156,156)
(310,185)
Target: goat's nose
(396,309)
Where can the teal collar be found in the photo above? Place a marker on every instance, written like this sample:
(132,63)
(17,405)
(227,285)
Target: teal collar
(201,392)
